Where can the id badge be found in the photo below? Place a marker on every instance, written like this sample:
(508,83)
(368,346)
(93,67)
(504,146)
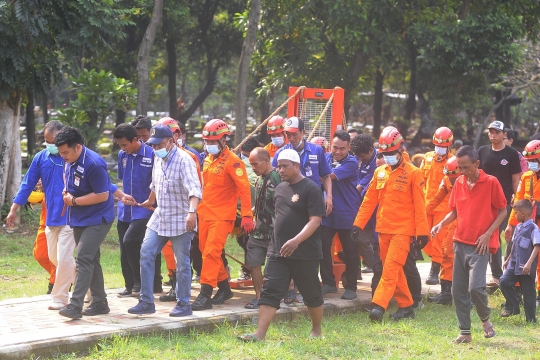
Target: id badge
(77,181)
(309,173)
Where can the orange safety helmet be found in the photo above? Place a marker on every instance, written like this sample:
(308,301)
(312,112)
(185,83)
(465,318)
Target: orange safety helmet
(451,169)
(319,140)
(443,137)
(215,129)
(36,197)
(532,150)
(170,122)
(390,139)
(276,125)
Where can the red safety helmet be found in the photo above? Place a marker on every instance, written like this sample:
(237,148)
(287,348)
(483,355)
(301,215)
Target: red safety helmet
(451,169)
(390,139)
(532,150)
(171,123)
(215,129)
(319,140)
(276,125)
(443,137)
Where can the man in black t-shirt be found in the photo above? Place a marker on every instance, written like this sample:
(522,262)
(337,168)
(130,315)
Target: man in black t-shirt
(502,162)
(295,249)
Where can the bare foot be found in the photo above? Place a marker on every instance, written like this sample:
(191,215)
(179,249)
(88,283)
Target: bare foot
(489,332)
(463,339)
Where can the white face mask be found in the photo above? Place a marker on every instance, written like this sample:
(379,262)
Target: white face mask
(278,141)
(441,151)
(533,166)
(390,159)
(180,142)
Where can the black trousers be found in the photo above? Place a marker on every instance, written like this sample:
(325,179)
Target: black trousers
(195,255)
(507,286)
(495,260)
(130,238)
(350,250)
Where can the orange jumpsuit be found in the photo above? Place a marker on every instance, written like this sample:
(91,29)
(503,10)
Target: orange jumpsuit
(524,192)
(167,250)
(432,167)
(401,215)
(441,198)
(225,180)
(271,148)
(40,252)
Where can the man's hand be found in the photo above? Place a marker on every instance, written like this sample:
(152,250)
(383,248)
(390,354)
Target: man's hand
(508,232)
(420,242)
(10,219)
(247,224)
(191,221)
(289,247)
(435,230)
(505,264)
(129,200)
(68,198)
(147,204)
(482,244)
(527,268)
(328,203)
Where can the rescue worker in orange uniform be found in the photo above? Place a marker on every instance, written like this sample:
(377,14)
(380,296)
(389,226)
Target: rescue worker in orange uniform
(225,180)
(41,252)
(529,188)
(275,128)
(397,189)
(441,197)
(432,167)
(167,250)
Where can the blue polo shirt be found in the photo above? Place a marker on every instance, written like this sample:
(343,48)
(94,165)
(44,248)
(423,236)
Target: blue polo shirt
(365,174)
(135,171)
(199,156)
(345,197)
(50,169)
(89,175)
(313,164)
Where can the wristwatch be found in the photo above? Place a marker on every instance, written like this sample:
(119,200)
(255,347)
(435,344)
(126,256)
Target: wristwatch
(191,210)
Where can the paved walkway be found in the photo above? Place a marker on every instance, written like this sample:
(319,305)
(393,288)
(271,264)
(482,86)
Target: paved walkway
(28,328)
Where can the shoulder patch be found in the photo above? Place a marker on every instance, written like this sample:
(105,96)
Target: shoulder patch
(239,172)
(236,165)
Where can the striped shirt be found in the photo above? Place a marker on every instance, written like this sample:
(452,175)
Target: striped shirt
(174,180)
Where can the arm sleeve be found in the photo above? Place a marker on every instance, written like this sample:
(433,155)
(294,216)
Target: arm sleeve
(29,182)
(98,178)
(274,159)
(346,170)
(324,167)
(242,183)
(315,201)
(515,165)
(188,174)
(369,204)
(436,199)
(420,217)
(520,194)
(452,200)
(152,186)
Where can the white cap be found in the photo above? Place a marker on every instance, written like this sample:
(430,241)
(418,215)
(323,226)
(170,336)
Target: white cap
(294,124)
(497,125)
(289,154)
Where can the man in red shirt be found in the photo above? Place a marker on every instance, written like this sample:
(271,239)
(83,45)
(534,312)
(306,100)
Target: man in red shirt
(479,204)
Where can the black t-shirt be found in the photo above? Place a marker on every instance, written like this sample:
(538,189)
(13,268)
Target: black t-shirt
(294,205)
(502,164)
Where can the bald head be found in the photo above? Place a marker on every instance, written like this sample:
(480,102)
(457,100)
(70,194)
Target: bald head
(260,162)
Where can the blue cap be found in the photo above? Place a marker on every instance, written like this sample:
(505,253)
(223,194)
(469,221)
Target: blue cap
(158,133)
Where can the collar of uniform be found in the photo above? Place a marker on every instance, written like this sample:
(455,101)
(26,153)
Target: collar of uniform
(526,223)
(82,156)
(371,161)
(55,159)
(483,177)
(142,149)
(223,152)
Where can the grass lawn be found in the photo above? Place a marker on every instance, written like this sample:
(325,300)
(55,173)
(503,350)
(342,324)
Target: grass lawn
(350,336)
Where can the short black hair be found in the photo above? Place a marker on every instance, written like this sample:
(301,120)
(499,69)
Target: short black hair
(354,130)
(510,134)
(70,136)
(342,135)
(468,150)
(142,122)
(250,144)
(524,205)
(53,125)
(182,127)
(362,144)
(126,131)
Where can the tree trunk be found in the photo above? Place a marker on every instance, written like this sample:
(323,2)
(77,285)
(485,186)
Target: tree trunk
(143,58)
(248,47)
(10,150)
(171,71)
(427,125)
(410,105)
(264,107)
(120,119)
(44,108)
(205,92)
(377,104)
(30,125)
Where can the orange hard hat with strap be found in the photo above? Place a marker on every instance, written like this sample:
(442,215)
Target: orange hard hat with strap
(451,168)
(390,139)
(443,137)
(276,125)
(532,150)
(215,129)
(170,122)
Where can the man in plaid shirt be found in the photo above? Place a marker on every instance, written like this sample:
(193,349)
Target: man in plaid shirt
(177,189)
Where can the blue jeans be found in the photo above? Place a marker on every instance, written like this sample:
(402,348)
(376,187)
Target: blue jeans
(151,247)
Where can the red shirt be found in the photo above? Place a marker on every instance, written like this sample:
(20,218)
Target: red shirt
(477,209)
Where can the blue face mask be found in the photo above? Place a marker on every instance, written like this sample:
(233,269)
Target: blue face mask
(390,159)
(533,166)
(161,153)
(278,141)
(52,149)
(299,144)
(212,149)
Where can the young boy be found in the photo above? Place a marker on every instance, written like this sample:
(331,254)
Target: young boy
(523,258)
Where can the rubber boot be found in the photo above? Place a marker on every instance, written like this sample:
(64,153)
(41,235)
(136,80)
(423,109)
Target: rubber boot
(433,278)
(376,314)
(403,313)
(203,301)
(445,296)
(171,294)
(49,289)
(223,294)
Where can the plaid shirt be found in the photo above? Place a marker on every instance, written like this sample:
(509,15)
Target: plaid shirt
(174,180)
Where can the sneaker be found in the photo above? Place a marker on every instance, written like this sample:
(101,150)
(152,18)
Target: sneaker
(142,308)
(244,277)
(49,289)
(97,308)
(349,294)
(181,310)
(221,296)
(71,311)
(201,303)
(169,296)
(327,289)
(56,306)
(124,293)
(367,270)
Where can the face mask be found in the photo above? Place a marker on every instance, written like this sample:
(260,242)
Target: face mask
(441,151)
(180,142)
(161,153)
(278,141)
(212,149)
(533,166)
(52,149)
(390,159)
(299,144)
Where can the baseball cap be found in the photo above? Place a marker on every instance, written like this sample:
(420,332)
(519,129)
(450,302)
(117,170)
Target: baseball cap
(294,124)
(497,125)
(289,154)
(158,133)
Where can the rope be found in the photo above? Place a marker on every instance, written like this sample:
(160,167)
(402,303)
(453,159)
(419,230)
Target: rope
(236,149)
(322,115)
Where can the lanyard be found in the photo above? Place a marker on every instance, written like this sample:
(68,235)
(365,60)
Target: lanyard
(168,164)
